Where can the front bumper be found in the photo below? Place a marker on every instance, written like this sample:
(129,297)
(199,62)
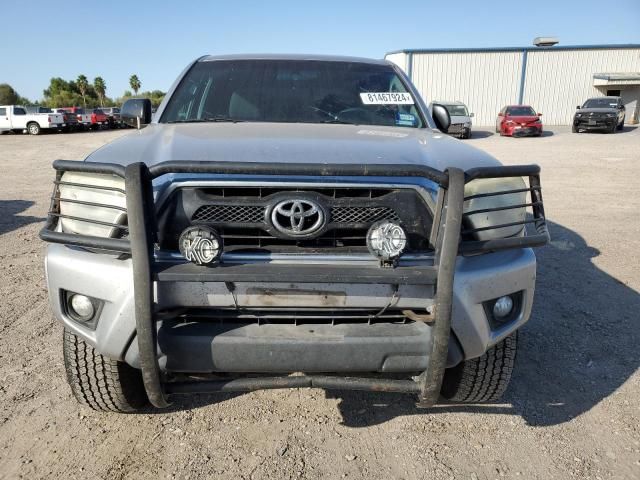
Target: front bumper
(459,129)
(522,130)
(215,347)
(142,295)
(595,124)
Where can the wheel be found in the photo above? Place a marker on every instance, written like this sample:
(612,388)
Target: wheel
(613,128)
(99,382)
(482,379)
(574,129)
(33,128)
(621,125)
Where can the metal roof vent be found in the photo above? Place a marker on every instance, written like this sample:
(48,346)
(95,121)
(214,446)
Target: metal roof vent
(545,41)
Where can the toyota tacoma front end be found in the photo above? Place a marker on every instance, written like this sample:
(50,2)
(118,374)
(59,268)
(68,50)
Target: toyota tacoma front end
(290,221)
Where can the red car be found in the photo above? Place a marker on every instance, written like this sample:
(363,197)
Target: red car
(98,118)
(519,121)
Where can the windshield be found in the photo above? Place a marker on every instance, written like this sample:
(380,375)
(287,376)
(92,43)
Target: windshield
(600,103)
(521,112)
(457,110)
(293,91)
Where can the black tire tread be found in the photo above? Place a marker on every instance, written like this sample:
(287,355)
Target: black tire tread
(99,382)
(482,379)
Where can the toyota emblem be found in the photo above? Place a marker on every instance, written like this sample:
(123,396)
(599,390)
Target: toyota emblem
(297,217)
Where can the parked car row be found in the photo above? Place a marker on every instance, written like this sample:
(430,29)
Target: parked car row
(37,119)
(601,113)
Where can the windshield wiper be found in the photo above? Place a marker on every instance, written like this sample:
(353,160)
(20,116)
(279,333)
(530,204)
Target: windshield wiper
(217,118)
(335,120)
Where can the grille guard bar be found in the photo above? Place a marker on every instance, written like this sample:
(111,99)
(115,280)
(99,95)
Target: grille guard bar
(446,240)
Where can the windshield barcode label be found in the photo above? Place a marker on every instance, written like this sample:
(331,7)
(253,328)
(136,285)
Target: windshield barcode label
(386,98)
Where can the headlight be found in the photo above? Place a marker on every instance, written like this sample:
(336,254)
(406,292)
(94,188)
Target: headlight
(611,115)
(579,115)
(86,198)
(467,124)
(499,217)
(510,122)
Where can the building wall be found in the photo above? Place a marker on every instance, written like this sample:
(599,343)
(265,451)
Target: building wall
(555,81)
(399,59)
(483,81)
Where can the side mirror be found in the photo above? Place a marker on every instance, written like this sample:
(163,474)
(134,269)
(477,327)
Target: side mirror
(577,107)
(441,116)
(539,114)
(136,112)
(471,114)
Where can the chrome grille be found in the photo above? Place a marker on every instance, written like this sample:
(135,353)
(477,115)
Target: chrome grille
(239,214)
(255,214)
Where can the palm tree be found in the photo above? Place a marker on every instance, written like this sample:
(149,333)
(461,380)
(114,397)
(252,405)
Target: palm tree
(101,89)
(134,83)
(83,85)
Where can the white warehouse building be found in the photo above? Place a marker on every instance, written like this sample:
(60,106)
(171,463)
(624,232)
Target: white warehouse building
(553,80)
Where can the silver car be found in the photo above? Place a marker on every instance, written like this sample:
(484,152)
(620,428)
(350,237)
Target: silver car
(461,122)
(290,221)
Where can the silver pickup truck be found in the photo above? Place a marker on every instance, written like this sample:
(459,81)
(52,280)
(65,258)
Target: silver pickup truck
(290,221)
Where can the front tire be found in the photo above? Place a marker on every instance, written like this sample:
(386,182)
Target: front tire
(99,382)
(482,379)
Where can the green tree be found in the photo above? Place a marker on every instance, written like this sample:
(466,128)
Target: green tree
(101,88)
(8,96)
(134,83)
(155,96)
(83,85)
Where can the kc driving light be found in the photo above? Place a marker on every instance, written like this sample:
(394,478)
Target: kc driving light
(386,240)
(503,307)
(200,245)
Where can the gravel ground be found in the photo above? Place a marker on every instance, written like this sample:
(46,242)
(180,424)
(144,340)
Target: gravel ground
(572,410)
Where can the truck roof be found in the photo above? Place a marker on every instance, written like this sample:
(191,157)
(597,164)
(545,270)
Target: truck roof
(285,56)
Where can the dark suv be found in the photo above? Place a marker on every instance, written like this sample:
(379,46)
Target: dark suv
(603,113)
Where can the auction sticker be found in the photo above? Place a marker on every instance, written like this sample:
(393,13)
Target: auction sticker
(386,98)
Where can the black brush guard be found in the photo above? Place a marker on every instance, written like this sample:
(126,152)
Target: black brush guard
(445,240)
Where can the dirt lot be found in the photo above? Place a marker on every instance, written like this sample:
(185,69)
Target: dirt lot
(572,410)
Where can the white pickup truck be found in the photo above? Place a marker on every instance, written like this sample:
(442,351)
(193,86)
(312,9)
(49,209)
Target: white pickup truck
(15,118)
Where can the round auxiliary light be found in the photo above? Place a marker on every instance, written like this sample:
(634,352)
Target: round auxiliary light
(82,307)
(386,240)
(200,245)
(502,307)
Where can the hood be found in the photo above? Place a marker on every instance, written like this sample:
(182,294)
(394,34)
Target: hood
(293,143)
(460,119)
(522,118)
(597,110)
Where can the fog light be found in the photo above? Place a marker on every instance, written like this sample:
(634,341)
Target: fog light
(82,307)
(386,240)
(200,245)
(503,307)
